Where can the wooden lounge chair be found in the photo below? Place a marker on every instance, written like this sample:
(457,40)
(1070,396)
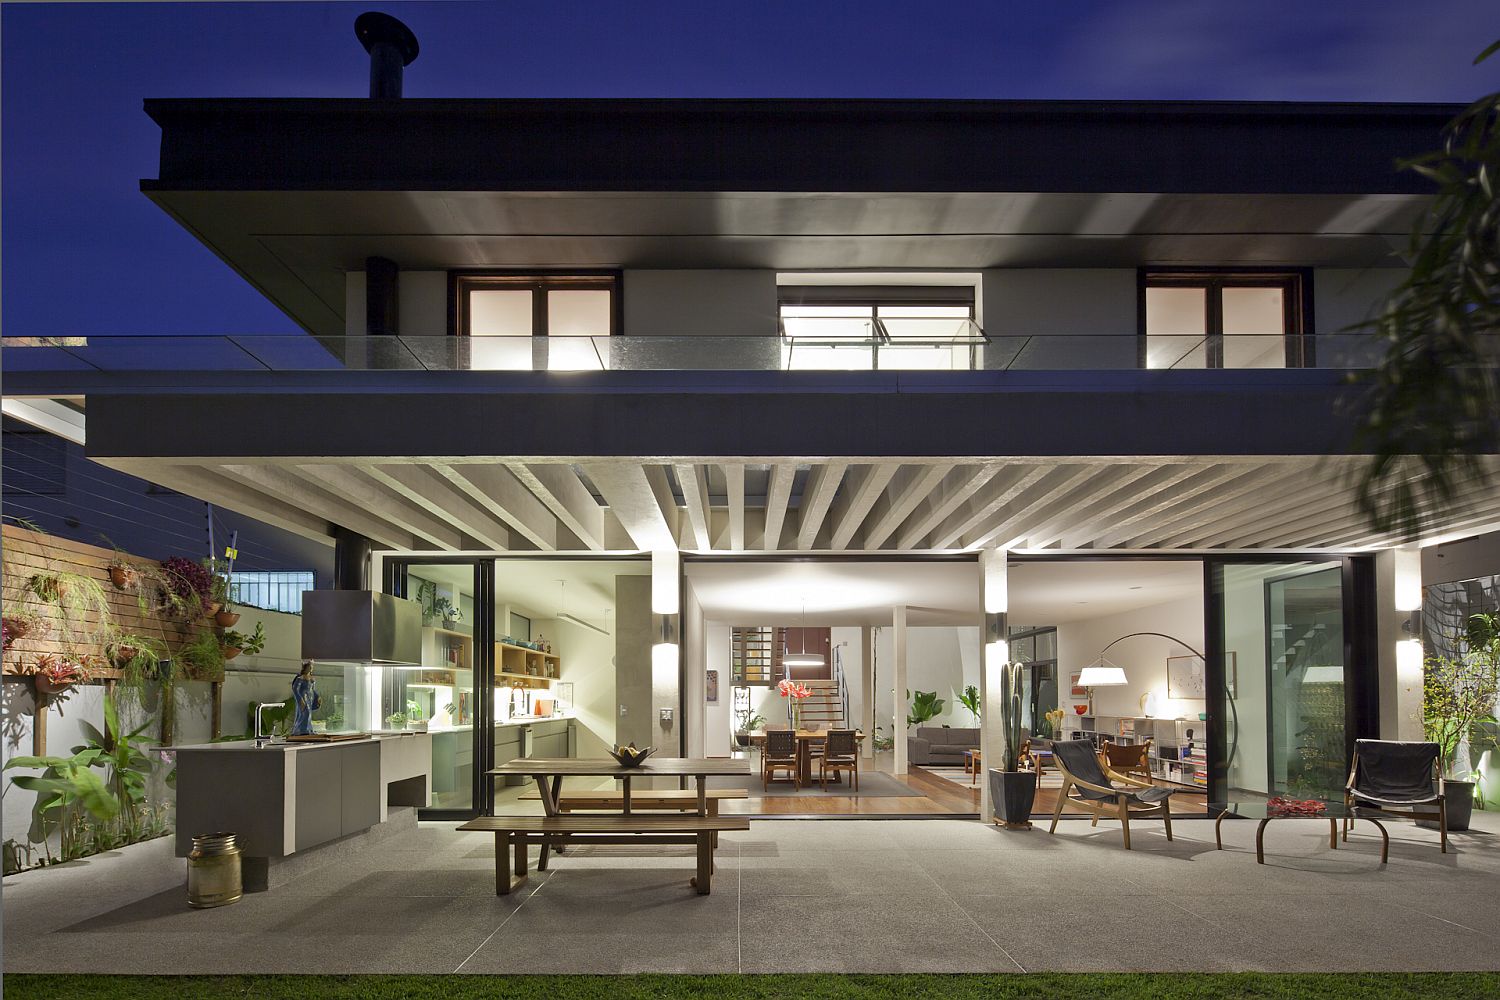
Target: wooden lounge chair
(1127,758)
(1082,772)
(1391,778)
(840,753)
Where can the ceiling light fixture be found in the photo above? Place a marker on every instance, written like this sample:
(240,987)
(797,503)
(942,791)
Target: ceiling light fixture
(804,658)
(563,616)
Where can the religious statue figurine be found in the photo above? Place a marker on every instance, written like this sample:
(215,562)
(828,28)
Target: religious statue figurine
(305,695)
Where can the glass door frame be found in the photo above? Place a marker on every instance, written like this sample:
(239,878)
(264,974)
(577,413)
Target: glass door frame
(1361,649)
(395,582)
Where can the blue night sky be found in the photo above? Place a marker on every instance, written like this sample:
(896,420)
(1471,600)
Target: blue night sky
(85,253)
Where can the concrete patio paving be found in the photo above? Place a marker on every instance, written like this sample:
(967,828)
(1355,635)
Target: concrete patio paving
(793,896)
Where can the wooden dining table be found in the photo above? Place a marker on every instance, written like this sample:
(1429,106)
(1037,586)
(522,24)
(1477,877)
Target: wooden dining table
(549,773)
(806,740)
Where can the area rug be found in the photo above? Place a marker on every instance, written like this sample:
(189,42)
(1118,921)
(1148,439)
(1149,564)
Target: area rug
(871,784)
(956,775)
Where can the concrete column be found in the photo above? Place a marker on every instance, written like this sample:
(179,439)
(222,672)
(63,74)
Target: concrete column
(666,651)
(898,686)
(867,689)
(1398,596)
(994,595)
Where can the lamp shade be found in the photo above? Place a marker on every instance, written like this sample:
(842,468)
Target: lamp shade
(803,660)
(1102,676)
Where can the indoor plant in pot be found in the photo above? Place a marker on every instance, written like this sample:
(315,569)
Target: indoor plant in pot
(234,643)
(1012,790)
(1458,693)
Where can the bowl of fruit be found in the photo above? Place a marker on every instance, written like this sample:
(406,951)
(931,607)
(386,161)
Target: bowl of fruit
(629,756)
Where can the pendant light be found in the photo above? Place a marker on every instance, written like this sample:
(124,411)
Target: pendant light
(803,659)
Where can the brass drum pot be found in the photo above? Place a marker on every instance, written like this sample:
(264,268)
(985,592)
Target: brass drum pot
(214,871)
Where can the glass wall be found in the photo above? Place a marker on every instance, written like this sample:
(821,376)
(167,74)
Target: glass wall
(1283,697)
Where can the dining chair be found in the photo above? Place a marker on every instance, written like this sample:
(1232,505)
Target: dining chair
(840,753)
(780,754)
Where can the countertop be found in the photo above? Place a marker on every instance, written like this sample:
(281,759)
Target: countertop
(243,745)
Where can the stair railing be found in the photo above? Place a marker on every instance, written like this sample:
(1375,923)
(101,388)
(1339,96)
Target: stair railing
(838,675)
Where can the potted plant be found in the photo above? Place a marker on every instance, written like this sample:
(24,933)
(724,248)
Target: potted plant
(750,721)
(56,675)
(793,692)
(23,624)
(123,574)
(218,586)
(970,700)
(1012,790)
(396,720)
(414,720)
(234,643)
(187,587)
(1458,693)
(202,657)
(925,707)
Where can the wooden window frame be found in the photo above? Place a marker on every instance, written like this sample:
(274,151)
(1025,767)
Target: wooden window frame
(461,283)
(1297,300)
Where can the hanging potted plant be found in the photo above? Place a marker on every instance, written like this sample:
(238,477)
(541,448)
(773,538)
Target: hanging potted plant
(202,658)
(218,587)
(233,643)
(56,674)
(25,624)
(188,587)
(226,616)
(1012,790)
(1458,693)
(123,575)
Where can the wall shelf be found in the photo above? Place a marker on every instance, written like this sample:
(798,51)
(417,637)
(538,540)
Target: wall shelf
(531,667)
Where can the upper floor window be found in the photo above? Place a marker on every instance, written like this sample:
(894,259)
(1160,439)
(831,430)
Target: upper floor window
(1228,319)
(864,328)
(504,312)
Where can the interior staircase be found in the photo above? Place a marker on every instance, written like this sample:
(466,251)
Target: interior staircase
(824,708)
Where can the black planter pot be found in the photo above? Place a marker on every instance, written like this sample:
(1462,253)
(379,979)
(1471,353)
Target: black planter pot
(1011,796)
(1458,803)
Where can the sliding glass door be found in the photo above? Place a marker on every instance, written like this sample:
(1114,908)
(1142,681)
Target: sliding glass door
(1282,644)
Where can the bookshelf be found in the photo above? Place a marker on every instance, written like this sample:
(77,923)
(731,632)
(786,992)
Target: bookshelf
(1179,747)
(520,666)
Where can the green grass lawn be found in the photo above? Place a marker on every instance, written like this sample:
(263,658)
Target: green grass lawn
(1082,986)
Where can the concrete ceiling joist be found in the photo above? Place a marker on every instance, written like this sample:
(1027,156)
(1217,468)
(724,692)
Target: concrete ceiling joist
(497,490)
(1079,506)
(632,499)
(280,483)
(1086,517)
(817,496)
(373,495)
(694,485)
(909,487)
(951,492)
(988,504)
(1205,479)
(865,484)
(425,488)
(563,493)
(778,496)
(1251,496)
(734,487)
(1034,505)
(213,488)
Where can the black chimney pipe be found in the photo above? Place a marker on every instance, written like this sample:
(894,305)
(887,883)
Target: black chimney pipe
(351,560)
(392,47)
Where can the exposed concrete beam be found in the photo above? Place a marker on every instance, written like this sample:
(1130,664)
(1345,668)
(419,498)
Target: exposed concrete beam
(987,505)
(630,496)
(666,501)
(48,415)
(213,488)
(778,496)
(280,483)
(1031,505)
(954,490)
(817,495)
(497,490)
(734,479)
(695,495)
(377,498)
(425,488)
(1281,482)
(866,484)
(1201,482)
(1046,525)
(911,486)
(1085,526)
(563,493)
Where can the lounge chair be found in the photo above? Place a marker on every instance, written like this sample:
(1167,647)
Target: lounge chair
(1081,771)
(1404,780)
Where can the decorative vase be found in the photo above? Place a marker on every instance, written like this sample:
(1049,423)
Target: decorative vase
(1012,794)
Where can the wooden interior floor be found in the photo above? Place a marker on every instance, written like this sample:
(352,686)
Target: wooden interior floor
(937,797)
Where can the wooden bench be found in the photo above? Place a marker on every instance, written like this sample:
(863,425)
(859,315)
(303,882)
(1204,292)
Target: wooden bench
(650,800)
(519,831)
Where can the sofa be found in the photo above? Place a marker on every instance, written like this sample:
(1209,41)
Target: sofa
(940,746)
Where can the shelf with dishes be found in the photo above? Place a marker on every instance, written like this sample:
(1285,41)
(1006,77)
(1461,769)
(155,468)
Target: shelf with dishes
(1179,747)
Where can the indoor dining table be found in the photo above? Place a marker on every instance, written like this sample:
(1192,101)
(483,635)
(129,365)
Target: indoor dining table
(806,740)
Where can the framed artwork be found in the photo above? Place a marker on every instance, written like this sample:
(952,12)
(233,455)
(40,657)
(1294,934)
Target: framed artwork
(711,687)
(1231,675)
(1078,690)
(1186,677)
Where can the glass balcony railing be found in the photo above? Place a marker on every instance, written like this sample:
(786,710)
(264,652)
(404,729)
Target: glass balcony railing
(304,353)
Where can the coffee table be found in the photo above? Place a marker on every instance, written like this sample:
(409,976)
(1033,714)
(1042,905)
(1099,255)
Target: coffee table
(972,762)
(1260,810)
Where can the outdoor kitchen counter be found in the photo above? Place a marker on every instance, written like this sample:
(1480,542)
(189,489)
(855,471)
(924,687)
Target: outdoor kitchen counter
(287,797)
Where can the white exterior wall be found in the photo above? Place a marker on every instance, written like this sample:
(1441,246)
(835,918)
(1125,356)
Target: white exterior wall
(708,303)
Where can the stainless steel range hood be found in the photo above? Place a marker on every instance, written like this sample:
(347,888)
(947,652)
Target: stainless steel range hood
(361,626)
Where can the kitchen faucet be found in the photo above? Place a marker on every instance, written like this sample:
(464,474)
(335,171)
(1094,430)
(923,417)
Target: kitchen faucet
(260,740)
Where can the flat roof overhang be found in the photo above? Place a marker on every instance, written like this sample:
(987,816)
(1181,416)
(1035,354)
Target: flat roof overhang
(891,467)
(295,193)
